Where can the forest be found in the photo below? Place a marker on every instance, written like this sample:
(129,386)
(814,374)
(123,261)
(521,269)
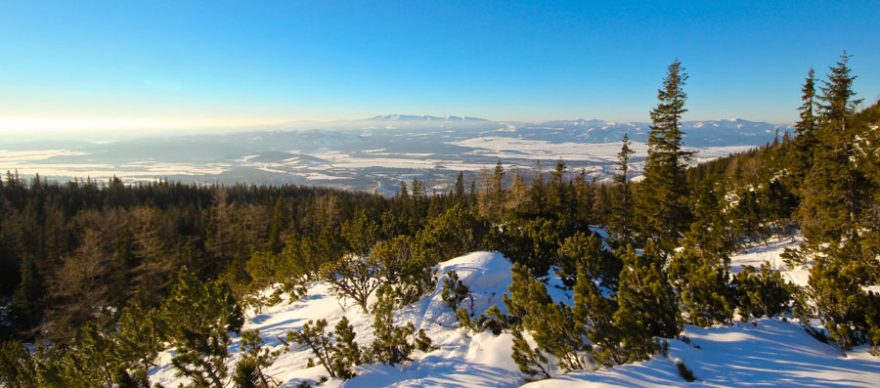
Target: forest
(99,277)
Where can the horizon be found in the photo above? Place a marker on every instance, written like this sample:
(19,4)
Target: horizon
(164,68)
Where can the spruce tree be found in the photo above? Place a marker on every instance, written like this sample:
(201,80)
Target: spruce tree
(833,199)
(620,223)
(806,127)
(662,209)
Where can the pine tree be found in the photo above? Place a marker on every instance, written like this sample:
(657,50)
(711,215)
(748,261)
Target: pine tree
(831,197)
(523,292)
(662,210)
(314,336)
(646,303)
(249,371)
(701,280)
(347,352)
(531,362)
(139,338)
(454,290)
(762,293)
(353,277)
(391,344)
(586,250)
(594,313)
(200,317)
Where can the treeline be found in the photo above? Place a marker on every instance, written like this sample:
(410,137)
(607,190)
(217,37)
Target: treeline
(89,270)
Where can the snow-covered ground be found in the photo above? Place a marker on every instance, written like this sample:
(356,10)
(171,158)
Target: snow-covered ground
(768,252)
(772,353)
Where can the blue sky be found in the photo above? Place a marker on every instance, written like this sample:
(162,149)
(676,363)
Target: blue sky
(170,64)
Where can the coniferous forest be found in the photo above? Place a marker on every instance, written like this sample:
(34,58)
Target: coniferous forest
(99,277)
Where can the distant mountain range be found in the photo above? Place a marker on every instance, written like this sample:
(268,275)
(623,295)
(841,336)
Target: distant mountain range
(370,154)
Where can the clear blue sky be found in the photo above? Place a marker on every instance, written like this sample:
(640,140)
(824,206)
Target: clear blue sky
(201,63)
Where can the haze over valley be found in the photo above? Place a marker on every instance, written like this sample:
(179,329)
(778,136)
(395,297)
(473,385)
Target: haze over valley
(372,154)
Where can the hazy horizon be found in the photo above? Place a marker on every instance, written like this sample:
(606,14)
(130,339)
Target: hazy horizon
(166,68)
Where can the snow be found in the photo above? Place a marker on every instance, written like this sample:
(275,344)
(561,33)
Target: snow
(768,252)
(771,353)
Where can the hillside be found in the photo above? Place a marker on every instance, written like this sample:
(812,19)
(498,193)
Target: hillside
(769,352)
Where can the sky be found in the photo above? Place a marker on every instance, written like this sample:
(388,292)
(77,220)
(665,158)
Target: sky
(134,65)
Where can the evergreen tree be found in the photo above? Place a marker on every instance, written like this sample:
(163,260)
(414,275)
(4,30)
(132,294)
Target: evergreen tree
(594,313)
(314,336)
(620,223)
(530,361)
(200,316)
(139,338)
(806,128)
(646,303)
(391,344)
(346,353)
(353,277)
(458,190)
(701,280)
(662,210)
(761,293)
(586,251)
(249,371)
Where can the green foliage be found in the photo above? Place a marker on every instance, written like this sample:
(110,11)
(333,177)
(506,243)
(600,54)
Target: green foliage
(401,264)
(620,223)
(353,277)
(523,291)
(530,361)
(17,367)
(594,313)
(553,326)
(139,338)
(391,344)
(762,293)
(646,303)
(199,317)
(586,250)
(313,336)
(455,232)
(662,209)
(249,369)
(347,352)
(361,233)
(701,279)
(454,291)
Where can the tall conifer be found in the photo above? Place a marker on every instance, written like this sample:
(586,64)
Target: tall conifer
(662,207)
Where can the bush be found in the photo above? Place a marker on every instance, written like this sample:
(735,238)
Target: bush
(762,293)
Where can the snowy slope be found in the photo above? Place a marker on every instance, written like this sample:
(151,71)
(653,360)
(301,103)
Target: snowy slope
(771,353)
(768,252)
